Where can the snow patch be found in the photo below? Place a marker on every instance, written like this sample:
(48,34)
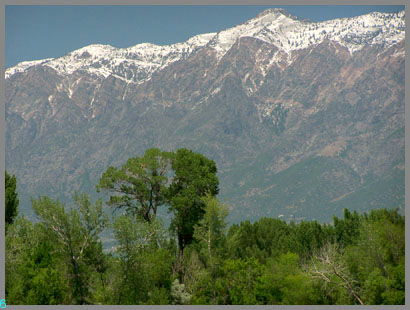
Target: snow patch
(215,91)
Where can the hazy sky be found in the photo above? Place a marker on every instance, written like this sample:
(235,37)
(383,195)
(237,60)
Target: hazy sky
(38,32)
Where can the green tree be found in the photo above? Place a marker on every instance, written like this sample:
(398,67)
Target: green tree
(210,232)
(265,238)
(35,273)
(144,262)
(330,268)
(347,229)
(139,185)
(195,177)
(76,234)
(11,199)
(377,257)
(237,284)
(284,282)
(374,287)
(310,237)
(241,241)
(196,278)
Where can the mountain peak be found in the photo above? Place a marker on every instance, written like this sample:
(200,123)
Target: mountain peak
(275,11)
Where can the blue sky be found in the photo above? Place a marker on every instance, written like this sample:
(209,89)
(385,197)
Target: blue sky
(38,32)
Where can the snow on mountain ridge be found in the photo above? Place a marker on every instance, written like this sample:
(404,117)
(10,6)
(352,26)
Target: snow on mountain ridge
(224,40)
(274,11)
(279,28)
(23,66)
(275,26)
(133,64)
(105,60)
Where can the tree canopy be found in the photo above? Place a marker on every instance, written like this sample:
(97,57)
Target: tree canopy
(357,259)
(179,180)
(139,185)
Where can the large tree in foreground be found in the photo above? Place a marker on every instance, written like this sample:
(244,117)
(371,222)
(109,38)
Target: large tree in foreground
(195,177)
(139,185)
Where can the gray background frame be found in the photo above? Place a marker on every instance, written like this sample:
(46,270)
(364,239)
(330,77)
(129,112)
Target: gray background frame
(3,3)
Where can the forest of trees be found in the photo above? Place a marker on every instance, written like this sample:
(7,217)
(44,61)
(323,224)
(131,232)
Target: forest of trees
(198,259)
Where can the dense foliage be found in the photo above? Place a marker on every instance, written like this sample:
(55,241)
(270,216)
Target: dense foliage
(357,259)
(11,198)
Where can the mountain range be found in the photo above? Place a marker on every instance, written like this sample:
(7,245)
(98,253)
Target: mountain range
(303,119)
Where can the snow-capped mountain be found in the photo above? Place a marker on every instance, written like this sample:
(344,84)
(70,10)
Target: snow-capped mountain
(133,64)
(275,26)
(302,119)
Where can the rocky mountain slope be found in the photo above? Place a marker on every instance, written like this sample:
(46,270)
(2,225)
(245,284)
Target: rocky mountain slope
(303,119)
